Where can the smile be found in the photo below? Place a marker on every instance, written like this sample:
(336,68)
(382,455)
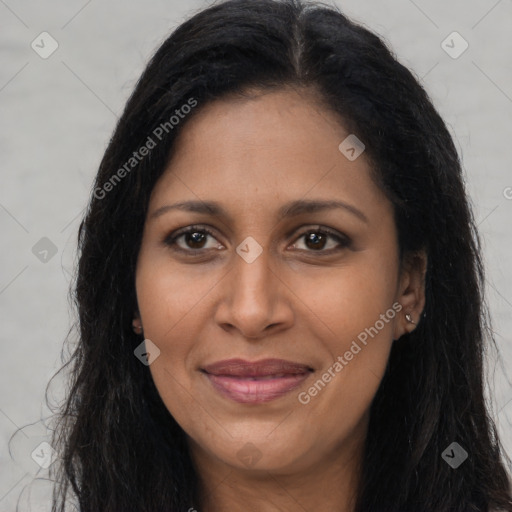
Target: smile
(258,382)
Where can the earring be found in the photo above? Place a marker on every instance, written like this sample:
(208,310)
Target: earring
(137,327)
(408,317)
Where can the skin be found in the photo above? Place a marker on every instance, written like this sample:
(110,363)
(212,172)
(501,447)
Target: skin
(252,156)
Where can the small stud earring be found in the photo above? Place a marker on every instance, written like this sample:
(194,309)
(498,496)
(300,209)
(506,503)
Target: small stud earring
(137,328)
(408,317)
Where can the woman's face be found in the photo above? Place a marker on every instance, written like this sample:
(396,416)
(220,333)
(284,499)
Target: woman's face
(274,326)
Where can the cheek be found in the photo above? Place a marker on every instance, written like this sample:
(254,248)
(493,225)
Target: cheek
(168,296)
(169,303)
(352,309)
(174,304)
(346,300)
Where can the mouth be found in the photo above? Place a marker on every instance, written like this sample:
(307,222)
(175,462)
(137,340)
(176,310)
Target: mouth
(256,382)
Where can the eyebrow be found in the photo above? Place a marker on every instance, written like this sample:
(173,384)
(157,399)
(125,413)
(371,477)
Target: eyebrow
(291,209)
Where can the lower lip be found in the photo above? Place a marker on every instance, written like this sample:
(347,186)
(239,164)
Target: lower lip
(248,391)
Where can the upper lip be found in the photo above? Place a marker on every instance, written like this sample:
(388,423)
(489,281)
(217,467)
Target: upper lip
(262,368)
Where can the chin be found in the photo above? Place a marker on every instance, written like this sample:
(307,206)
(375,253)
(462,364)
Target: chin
(262,454)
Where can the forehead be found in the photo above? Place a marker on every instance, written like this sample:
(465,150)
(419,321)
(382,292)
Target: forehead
(272,145)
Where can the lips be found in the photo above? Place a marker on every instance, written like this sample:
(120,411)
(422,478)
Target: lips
(256,382)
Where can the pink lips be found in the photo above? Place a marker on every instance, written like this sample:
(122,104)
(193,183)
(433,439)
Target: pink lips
(256,382)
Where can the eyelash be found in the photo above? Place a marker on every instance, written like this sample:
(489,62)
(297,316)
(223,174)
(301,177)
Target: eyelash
(171,239)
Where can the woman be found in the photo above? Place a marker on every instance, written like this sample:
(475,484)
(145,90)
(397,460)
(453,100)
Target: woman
(279,286)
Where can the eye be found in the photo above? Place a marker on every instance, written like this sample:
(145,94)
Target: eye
(321,239)
(192,239)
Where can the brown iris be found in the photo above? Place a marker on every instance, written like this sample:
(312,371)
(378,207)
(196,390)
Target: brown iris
(317,240)
(197,238)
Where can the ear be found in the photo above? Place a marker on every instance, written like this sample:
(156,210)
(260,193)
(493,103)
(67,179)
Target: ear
(411,292)
(137,323)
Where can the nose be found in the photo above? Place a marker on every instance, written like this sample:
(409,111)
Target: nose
(255,300)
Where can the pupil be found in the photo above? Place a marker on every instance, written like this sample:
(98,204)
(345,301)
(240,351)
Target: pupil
(196,238)
(314,238)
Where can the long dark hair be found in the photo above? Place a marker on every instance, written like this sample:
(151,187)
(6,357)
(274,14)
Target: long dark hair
(121,449)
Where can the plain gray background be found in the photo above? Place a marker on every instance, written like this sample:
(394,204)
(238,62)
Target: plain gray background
(57,115)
